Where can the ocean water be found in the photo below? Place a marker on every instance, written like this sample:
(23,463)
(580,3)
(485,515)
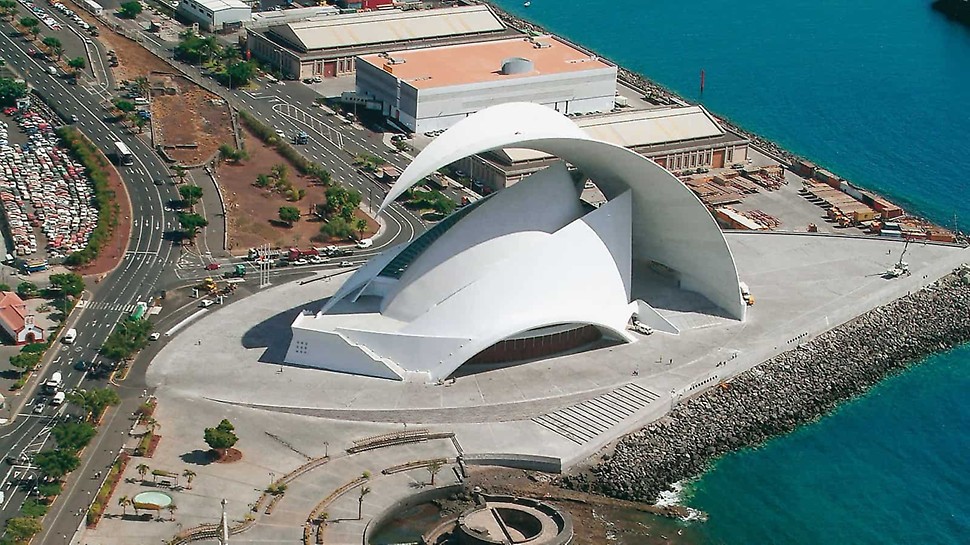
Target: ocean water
(878,92)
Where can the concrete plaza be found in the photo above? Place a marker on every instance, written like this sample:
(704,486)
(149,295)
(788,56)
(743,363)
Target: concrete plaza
(549,414)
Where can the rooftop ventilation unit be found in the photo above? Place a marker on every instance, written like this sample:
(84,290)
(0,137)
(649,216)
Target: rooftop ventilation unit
(517,65)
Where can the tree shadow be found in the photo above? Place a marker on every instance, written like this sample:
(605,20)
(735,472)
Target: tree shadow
(198,457)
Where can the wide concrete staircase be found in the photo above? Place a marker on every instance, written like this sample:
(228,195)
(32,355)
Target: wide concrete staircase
(584,421)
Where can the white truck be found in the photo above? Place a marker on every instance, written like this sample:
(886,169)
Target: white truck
(54,384)
(70,336)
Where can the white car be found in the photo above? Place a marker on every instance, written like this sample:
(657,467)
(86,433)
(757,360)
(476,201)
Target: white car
(154,336)
(315,259)
(205,303)
(300,262)
(39,408)
(280,133)
(346,264)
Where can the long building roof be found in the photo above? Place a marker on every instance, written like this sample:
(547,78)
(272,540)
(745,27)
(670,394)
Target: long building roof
(482,62)
(639,128)
(387,26)
(220,5)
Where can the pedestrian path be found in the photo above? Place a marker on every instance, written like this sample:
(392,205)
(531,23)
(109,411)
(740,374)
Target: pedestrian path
(582,422)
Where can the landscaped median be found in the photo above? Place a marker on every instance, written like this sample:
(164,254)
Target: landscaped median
(110,233)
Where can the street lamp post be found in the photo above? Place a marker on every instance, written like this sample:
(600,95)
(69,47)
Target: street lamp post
(326,449)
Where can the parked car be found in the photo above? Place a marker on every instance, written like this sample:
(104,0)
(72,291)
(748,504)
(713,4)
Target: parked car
(212,266)
(300,262)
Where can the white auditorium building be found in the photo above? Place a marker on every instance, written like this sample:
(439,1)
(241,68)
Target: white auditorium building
(529,272)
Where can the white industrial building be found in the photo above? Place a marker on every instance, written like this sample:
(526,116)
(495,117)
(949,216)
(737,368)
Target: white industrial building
(433,88)
(676,138)
(215,15)
(530,272)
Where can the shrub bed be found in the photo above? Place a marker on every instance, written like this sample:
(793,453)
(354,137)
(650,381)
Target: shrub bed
(96,511)
(269,136)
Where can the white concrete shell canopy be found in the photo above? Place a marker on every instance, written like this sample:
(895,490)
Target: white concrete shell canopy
(670,224)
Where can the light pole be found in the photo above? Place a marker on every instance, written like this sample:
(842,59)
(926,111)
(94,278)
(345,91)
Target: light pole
(326,449)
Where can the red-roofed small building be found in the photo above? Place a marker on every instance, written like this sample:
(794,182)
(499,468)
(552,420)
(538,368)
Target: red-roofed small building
(17,321)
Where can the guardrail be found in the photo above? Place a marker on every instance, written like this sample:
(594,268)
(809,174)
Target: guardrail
(396,438)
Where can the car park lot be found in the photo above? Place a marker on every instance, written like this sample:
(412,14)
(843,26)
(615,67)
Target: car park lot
(43,189)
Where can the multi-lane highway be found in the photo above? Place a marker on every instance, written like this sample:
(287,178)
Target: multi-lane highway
(151,262)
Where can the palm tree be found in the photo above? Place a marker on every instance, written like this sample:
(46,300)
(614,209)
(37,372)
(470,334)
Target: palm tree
(143,85)
(152,424)
(360,502)
(180,173)
(124,502)
(433,468)
(189,475)
(361,226)
(172,508)
(142,470)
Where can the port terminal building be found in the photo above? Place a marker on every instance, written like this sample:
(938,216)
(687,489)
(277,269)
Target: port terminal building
(677,138)
(433,88)
(215,15)
(326,45)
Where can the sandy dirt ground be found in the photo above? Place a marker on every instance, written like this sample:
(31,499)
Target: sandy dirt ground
(208,125)
(253,212)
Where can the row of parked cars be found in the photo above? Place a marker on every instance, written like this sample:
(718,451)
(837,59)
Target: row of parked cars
(43,187)
(75,17)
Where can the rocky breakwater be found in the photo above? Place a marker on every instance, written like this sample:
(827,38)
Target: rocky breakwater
(779,395)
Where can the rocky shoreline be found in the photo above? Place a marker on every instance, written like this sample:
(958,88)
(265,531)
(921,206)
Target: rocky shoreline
(783,393)
(656,91)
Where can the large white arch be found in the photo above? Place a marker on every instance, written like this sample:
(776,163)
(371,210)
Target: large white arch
(671,225)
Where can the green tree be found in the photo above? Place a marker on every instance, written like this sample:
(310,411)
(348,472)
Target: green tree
(10,91)
(262,181)
(77,63)
(33,508)
(73,436)
(124,502)
(125,106)
(30,24)
(5,287)
(433,468)
(129,10)
(221,437)
(191,223)
(142,470)
(289,214)
(49,490)
(53,45)
(21,529)
(240,73)
(128,337)
(189,476)
(25,361)
(341,202)
(68,283)
(95,400)
(191,194)
(337,228)
(27,289)
(56,463)
(180,172)
(8,8)
(361,225)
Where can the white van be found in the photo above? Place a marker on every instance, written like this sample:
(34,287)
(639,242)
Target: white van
(70,336)
(141,101)
(58,398)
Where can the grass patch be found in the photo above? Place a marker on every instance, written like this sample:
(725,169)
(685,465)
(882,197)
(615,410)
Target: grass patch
(96,511)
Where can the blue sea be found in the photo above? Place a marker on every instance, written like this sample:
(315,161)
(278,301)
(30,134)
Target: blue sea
(878,92)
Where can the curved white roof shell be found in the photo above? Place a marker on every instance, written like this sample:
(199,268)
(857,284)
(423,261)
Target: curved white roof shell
(529,257)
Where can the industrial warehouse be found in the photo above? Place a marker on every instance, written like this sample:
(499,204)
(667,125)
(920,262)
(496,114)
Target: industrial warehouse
(674,138)
(432,89)
(325,46)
